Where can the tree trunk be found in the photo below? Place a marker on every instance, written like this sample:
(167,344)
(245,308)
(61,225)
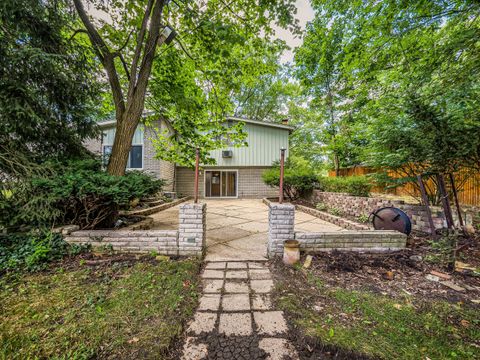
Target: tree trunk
(123,143)
(336,162)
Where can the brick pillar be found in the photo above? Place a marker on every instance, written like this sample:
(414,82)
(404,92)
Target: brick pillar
(281,221)
(192,230)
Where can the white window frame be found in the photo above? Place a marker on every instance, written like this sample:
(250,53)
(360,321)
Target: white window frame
(142,144)
(219,197)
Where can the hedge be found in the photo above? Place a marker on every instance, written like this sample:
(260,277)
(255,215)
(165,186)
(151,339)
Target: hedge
(353,185)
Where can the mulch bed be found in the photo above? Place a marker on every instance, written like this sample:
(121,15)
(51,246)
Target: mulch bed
(397,274)
(368,272)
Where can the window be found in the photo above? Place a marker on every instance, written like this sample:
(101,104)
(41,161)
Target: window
(135,158)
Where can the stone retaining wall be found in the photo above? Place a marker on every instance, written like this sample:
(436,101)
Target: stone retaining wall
(337,220)
(188,240)
(368,241)
(281,222)
(156,208)
(356,206)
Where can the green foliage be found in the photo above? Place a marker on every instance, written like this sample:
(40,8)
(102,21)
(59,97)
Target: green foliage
(353,185)
(221,50)
(363,218)
(321,206)
(78,192)
(298,179)
(335,211)
(47,85)
(443,250)
(319,67)
(398,80)
(33,251)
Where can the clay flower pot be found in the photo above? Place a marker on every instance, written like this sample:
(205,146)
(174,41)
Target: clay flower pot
(291,252)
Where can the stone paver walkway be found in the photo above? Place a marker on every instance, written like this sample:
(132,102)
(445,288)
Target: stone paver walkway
(235,318)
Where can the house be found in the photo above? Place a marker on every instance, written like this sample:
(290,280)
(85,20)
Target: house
(238,170)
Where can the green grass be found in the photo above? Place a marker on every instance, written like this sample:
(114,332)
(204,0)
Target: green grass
(382,327)
(118,311)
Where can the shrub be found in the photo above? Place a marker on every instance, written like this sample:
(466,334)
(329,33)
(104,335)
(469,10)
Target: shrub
(33,251)
(335,211)
(78,193)
(295,184)
(363,218)
(321,206)
(353,185)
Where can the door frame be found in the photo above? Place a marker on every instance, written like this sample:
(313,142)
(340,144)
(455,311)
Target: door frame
(219,197)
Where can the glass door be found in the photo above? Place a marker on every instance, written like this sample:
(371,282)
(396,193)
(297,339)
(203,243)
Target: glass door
(221,183)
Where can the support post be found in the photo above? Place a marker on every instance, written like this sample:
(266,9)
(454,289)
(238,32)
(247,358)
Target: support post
(445,202)
(282,168)
(197,161)
(455,196)
(427,206)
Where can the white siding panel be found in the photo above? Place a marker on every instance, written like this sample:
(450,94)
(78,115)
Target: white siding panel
(264,144)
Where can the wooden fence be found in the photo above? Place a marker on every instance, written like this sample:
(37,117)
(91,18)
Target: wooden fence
(468,193)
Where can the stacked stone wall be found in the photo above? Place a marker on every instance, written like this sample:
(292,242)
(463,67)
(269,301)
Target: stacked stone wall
(188,240)
(356,206)
(281,220)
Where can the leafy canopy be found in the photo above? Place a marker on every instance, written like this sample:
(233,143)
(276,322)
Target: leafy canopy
(400,79)
(220,46)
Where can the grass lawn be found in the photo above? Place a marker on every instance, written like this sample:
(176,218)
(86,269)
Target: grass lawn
(120,309)
(364,324)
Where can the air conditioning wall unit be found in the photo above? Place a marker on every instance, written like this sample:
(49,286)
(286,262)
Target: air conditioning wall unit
(227,153)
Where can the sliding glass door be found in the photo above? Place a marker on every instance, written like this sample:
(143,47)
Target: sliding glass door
(220,183)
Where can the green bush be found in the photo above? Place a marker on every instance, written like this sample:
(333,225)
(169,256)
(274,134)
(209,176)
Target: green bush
(296,182)
(353,185)
(33,251)
(321,206)
(78,193)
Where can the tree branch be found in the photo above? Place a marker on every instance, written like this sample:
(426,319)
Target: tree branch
(76,32)
(106,57)
(138,48)
(149,54)
(124,63)
(184,49)
(126,42)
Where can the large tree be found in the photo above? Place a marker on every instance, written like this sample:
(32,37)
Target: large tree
(47,85)
(128,37)
(410,71)
(319,67)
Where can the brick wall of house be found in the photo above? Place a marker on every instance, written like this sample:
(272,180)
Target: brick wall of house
(158,168)
(250,183)
(357,205)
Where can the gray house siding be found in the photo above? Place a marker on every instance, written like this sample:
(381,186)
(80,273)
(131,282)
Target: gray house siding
(250,183)
(264,144)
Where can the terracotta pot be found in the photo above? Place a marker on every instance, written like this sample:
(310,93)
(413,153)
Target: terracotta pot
(291,252)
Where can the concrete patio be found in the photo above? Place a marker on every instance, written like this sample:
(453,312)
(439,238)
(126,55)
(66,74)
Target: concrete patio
(237,228)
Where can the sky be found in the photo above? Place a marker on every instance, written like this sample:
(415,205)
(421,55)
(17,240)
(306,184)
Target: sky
(304,14)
